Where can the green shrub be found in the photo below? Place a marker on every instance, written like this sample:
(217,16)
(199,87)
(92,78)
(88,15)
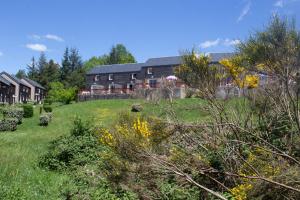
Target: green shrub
(48,101)
(13,112)
(78,149)
(28,110)
(47,108)
(8,124)
(44,120)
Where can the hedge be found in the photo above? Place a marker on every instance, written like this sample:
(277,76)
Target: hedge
(45,119)
(47,108)
(8,124)
(28,110)
(13,112)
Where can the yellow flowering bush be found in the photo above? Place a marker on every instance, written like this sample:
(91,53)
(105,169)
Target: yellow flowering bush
(240,192)
(239,73)
(263,162)
(141,127)
(106,137)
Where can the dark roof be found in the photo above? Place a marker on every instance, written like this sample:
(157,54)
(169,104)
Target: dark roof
(172,60)
(13,77)
(116,68)
(152,62)
(4,81)
(216,57)
(34,83)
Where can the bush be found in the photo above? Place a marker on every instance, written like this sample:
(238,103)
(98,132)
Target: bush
(48,101)
(47,108)
(44,120)
(78,149)
(13,112)
(28,110)
(8,124)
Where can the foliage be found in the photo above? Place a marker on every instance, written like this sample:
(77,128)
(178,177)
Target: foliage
(95,61)
(47,108)
(45,119)
(58,93)
(8,124)
(119,55)
(174,191)
(21,74)
(32,71)
(28,110)
(13,112)
(197,72)
(239,74)
(69,152)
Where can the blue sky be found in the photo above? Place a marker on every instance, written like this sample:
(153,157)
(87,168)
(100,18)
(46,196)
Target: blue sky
(148,28)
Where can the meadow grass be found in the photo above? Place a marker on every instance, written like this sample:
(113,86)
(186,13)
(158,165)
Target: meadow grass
(20,176)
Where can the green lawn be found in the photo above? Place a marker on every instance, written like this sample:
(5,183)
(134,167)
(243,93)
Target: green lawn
(21,178)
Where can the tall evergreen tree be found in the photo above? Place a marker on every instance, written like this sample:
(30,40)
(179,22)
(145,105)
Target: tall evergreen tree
(75,60)
(42,65)
(32,71)
(65,65)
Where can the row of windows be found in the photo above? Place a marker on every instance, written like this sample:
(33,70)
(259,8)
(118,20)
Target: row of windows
(133,75)
(111,77)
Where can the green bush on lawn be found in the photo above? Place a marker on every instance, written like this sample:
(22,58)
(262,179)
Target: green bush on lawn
(13,112)
(45,119)
(47,108)
(8,124)
(28,110)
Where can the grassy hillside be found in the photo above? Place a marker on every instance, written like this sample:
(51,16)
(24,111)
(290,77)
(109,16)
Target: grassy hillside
(21,178)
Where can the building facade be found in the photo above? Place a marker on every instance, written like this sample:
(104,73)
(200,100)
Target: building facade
(15,90)
(125,78)
(6,91)
(37,90)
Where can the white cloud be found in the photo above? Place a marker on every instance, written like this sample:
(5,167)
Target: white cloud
(54,37)
(229,42)
(245,11)
(278,3)
(37,47)
(1,53)
(209,43)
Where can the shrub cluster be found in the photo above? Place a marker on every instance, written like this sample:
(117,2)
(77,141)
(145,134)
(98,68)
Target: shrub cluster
(13,112)
(28,110)
(8,124)
(78,149)
(47,108)
(45,119)
(78,154)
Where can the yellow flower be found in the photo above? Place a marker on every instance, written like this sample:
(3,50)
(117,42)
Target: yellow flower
(141,127)
(240,192)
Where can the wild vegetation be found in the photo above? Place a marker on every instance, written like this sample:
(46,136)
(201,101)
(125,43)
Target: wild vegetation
(198,148)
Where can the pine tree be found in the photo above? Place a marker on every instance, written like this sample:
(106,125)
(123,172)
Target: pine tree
(66,65)
(42,65)
(32,71)
(75,60)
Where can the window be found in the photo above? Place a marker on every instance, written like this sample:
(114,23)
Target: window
(97,77)
(133,76)
(152,83)
(110,77)
(149,70)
